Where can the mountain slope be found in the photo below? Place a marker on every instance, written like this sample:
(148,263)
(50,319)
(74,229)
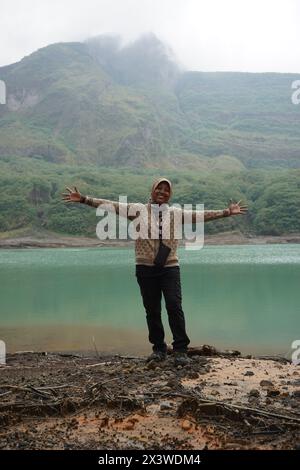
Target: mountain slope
(100,103)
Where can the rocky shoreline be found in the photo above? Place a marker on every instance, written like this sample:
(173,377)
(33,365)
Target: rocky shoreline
(220,400)
(57,241)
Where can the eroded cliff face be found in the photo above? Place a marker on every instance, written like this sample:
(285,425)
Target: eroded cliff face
(22,99)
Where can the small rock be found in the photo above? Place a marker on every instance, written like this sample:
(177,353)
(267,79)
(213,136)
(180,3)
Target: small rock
(266,384)
(67,446)
(104,422)
(186,425)
(166,405)
(249,373)
(140,396)
(294,404)
(3,443)
(129,425)
(193,375)
(172,383)
(151,365)
(209,409)
(295,382)
(254,393)
(200,360)
(169,373)
(273,392)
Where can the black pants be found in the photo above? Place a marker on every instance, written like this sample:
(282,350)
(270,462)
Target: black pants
(153,284)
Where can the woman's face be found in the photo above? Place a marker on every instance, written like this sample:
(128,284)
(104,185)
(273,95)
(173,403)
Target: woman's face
(162,193)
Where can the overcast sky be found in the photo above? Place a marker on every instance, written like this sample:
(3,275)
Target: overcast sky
(245,35)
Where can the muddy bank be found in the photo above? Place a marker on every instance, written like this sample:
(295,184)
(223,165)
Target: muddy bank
(57,241)
(217,401)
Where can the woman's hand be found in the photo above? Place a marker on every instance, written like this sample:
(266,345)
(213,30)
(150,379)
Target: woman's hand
(72,196)
(237,208)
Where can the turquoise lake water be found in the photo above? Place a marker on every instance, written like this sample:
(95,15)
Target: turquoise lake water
(243,297)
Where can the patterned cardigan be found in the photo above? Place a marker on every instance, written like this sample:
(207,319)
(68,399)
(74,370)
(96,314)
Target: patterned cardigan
(145,218)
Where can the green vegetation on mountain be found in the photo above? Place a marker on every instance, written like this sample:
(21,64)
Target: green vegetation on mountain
(109,118)
(31,195)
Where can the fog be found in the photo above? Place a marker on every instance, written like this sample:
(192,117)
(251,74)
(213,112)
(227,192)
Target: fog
(208,35)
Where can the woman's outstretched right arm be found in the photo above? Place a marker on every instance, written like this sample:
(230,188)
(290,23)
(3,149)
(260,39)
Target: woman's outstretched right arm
(74,195)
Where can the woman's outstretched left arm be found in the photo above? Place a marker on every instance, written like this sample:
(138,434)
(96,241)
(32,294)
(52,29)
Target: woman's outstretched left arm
(234,208)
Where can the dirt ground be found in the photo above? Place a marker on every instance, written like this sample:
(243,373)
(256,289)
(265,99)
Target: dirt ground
(217,401)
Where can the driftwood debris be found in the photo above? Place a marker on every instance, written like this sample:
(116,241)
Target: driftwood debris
(200,404)
(208,351)
(116,387)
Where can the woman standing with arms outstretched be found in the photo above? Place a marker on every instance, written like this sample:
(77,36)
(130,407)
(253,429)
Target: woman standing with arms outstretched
(157,265)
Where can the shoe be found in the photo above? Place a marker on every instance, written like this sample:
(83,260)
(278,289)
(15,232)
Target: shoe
(157,356)
(181,359)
